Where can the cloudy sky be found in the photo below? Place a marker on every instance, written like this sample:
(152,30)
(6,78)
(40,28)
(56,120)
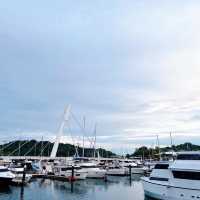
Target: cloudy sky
(132,67)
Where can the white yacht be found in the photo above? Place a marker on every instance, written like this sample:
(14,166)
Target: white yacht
(18,172)
(5,175)
(136,167)
(92,170)
(117,169)
(177,180)
(66,171)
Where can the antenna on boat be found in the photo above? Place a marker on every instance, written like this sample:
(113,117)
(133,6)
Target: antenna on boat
(60,131)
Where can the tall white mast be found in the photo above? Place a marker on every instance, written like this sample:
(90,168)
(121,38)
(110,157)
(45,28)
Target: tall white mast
(95,139)
(83,150)
(158,143)
(171,140)
(60,131)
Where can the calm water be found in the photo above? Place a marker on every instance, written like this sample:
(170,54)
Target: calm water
(116,188)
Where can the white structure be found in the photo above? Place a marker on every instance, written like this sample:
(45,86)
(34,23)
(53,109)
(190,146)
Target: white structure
(60,132)
(178,180)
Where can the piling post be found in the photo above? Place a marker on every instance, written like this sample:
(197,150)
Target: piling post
(105,178)
(24,175)
(129,172)
(72,172)
(72,180)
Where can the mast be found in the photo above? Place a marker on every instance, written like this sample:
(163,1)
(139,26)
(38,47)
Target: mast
(19,151)
(41,150)
(83,148)
(158,143)
(35,148)
(95,138)
(171,139)
(60,132)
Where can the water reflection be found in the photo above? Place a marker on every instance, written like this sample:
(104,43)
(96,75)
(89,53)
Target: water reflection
(115,188)
(22,193)
(5,189)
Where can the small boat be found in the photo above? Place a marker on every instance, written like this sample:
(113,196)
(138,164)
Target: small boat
(6,176)
(18,171)
(66,171)
(36,166)
(117,171)
(93,170)
(136,168)
(179,179)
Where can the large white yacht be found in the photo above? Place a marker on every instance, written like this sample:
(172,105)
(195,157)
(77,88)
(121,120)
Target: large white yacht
(176,180)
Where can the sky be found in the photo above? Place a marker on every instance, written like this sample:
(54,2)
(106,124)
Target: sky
(131,67)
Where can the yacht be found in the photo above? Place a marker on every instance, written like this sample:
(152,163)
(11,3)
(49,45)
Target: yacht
(176,180)
(36,166)
(93,170)
(117,169)
(5,175)
(18,172)
(136,167)
(66,171)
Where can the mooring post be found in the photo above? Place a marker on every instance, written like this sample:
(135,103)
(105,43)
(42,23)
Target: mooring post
(129,172)
(72,180)
(22,193)
(72,172)
(105,178)
(24,175)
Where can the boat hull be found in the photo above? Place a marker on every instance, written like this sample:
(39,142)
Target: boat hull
(117,172)
(137,171)
(18,178)
(77,175)
(94,173)
(154,190)
(98,174)
(5,181)
(164,191)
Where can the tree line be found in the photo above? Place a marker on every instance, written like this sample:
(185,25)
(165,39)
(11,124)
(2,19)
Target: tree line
(44,148)
(147,153)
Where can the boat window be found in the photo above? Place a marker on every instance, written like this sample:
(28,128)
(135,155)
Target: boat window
(161,166)
(64,169)
(158,179)
(3,170)
(92,166)
(188,157)
(186,175)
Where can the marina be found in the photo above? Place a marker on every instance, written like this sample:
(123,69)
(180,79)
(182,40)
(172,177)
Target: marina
(169,176)
(100,100)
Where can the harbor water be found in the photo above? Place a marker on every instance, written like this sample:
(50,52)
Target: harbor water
(115,188)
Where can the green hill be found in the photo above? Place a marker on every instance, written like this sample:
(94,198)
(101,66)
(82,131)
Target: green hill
(43,148)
